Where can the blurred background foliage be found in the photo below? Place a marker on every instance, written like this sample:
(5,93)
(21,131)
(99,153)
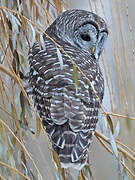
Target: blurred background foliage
(25,152)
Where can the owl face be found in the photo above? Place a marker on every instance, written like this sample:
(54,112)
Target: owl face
(87,37)
(81,29)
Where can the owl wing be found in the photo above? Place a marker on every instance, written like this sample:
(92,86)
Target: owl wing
(70,117)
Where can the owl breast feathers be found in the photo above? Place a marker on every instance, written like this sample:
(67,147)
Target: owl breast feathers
(69,113)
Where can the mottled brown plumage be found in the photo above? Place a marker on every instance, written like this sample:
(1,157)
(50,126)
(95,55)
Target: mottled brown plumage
(70,116)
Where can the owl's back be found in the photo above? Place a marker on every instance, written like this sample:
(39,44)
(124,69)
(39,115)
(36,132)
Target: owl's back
(69,113)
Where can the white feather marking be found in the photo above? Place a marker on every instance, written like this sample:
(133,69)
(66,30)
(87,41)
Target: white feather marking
(48,81)
(60,58)
(72,156)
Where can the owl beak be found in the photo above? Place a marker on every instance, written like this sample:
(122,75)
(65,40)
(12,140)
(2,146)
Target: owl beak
(94,52)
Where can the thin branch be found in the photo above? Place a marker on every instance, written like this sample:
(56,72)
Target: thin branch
(128,170)
(119,115)
(3,69)
(13,169)
(126,147)
(103,144)
(22,145)
(120,149)
(4,110)
(15,76)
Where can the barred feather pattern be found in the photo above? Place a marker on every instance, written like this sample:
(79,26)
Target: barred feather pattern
(69,115)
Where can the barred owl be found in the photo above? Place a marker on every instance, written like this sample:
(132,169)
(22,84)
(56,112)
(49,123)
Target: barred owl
(69,114)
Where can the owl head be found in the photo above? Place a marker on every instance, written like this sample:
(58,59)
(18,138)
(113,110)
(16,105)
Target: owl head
(81,29)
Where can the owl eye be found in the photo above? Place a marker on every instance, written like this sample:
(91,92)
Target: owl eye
(85,37)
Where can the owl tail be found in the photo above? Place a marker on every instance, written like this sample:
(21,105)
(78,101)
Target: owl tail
(74,154)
